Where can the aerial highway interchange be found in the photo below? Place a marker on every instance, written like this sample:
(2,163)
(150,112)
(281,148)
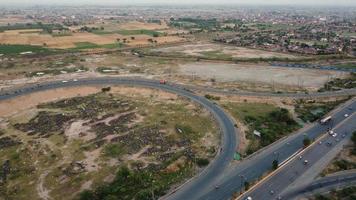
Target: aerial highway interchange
(219,180)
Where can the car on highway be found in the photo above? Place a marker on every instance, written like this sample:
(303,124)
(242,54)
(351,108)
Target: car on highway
(248,198)
(334,135)
(320,142)
(64,81)
(331,132)
(346,115)
(305,162)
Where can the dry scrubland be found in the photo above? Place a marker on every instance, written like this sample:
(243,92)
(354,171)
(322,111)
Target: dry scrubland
(218,50)
(81,139)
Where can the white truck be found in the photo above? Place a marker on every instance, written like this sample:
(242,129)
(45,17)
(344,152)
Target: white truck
(325,120)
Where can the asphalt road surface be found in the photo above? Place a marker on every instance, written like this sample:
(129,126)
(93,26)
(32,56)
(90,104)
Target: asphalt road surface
(228,142)
(229,180)
(273,187)
(253,168)
(325,184)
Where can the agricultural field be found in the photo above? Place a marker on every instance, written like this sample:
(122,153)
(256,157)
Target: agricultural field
(83,141)
(127,37)
(219,51)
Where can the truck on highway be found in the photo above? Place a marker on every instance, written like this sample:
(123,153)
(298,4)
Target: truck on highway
(325,120)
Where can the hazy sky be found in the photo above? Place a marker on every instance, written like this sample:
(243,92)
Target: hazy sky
(258,2)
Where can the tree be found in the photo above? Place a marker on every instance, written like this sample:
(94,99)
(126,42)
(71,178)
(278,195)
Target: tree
(106,89)
(132,38)
(275,164)
(247,185)
(306,141)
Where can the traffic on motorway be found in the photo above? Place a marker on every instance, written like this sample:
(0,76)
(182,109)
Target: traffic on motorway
(215,182)
(275,185)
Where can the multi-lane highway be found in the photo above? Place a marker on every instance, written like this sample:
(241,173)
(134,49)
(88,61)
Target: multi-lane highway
(325,184)
(256,166)
(217,181)
(228,141)
(290,173)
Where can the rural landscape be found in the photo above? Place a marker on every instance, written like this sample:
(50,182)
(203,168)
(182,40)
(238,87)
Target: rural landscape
(173,101)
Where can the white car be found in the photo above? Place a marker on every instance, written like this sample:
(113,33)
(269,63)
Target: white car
(334,135)
(248,198)
(75,80)
(346,115)
(64,81)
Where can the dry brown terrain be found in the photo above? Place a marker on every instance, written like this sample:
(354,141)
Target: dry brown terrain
(254,73)
(199,49)
(64,42)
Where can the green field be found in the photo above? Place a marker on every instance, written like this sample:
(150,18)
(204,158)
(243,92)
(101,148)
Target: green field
(89,45)
(16,49)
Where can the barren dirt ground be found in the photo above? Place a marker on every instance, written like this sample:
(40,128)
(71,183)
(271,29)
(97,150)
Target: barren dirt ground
(235,52)
(260,74)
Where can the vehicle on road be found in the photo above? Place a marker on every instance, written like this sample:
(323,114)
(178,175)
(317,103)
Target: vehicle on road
(75,80)
(64,81)
(346,115)
(305,162)
(248,198)
(325,120)
(162,81)
(320,142)
(331,132)
(334,135)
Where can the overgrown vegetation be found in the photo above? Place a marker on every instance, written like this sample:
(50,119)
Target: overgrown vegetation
(310,111)
(147,146)
(143,185)
(272,122)
(338,83)
(47,28)
(344,194)
(10,49)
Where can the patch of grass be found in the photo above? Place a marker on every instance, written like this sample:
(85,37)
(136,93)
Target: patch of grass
(211,97)
(140,32)
(216,55)
(143,185)
(85,45)
(272,122)
(346,65)
(8,49)
(345,194)
(113,150)
(310,112)
(89,45)
(130,32)
(338,83)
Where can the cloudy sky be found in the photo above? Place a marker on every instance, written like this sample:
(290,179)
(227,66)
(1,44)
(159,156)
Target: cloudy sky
(258,2)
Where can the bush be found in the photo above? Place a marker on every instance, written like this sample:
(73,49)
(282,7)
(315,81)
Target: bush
(275,164)
(201,162)
(211,97)
(106,89)
(306,142)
